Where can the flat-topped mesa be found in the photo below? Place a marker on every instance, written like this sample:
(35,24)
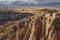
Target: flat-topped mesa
(41,26)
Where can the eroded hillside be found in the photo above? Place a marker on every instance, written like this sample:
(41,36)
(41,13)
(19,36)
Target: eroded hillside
(38,24)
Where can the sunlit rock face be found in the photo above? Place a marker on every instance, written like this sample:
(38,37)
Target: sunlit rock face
(41,26)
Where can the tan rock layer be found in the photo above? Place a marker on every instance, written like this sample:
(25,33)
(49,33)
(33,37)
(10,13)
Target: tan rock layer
(44,26)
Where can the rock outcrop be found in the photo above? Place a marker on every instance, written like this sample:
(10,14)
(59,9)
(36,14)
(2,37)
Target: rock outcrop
(41,26)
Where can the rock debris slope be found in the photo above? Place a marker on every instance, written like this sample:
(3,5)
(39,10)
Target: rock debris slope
(41,26)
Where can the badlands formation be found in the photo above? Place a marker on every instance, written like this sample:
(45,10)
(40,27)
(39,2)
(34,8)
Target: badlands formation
(29,24)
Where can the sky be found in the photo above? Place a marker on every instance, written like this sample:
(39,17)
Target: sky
(36,1)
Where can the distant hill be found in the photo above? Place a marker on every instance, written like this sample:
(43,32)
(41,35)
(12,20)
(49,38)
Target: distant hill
(24,4)
(51,4)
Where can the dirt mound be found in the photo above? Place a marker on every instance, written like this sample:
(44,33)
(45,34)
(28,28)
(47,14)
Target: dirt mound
(41,26)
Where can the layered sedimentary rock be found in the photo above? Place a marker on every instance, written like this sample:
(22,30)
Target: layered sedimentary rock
(42,26)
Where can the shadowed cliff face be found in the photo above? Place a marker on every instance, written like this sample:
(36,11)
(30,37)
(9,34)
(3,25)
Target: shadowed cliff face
(40,26)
